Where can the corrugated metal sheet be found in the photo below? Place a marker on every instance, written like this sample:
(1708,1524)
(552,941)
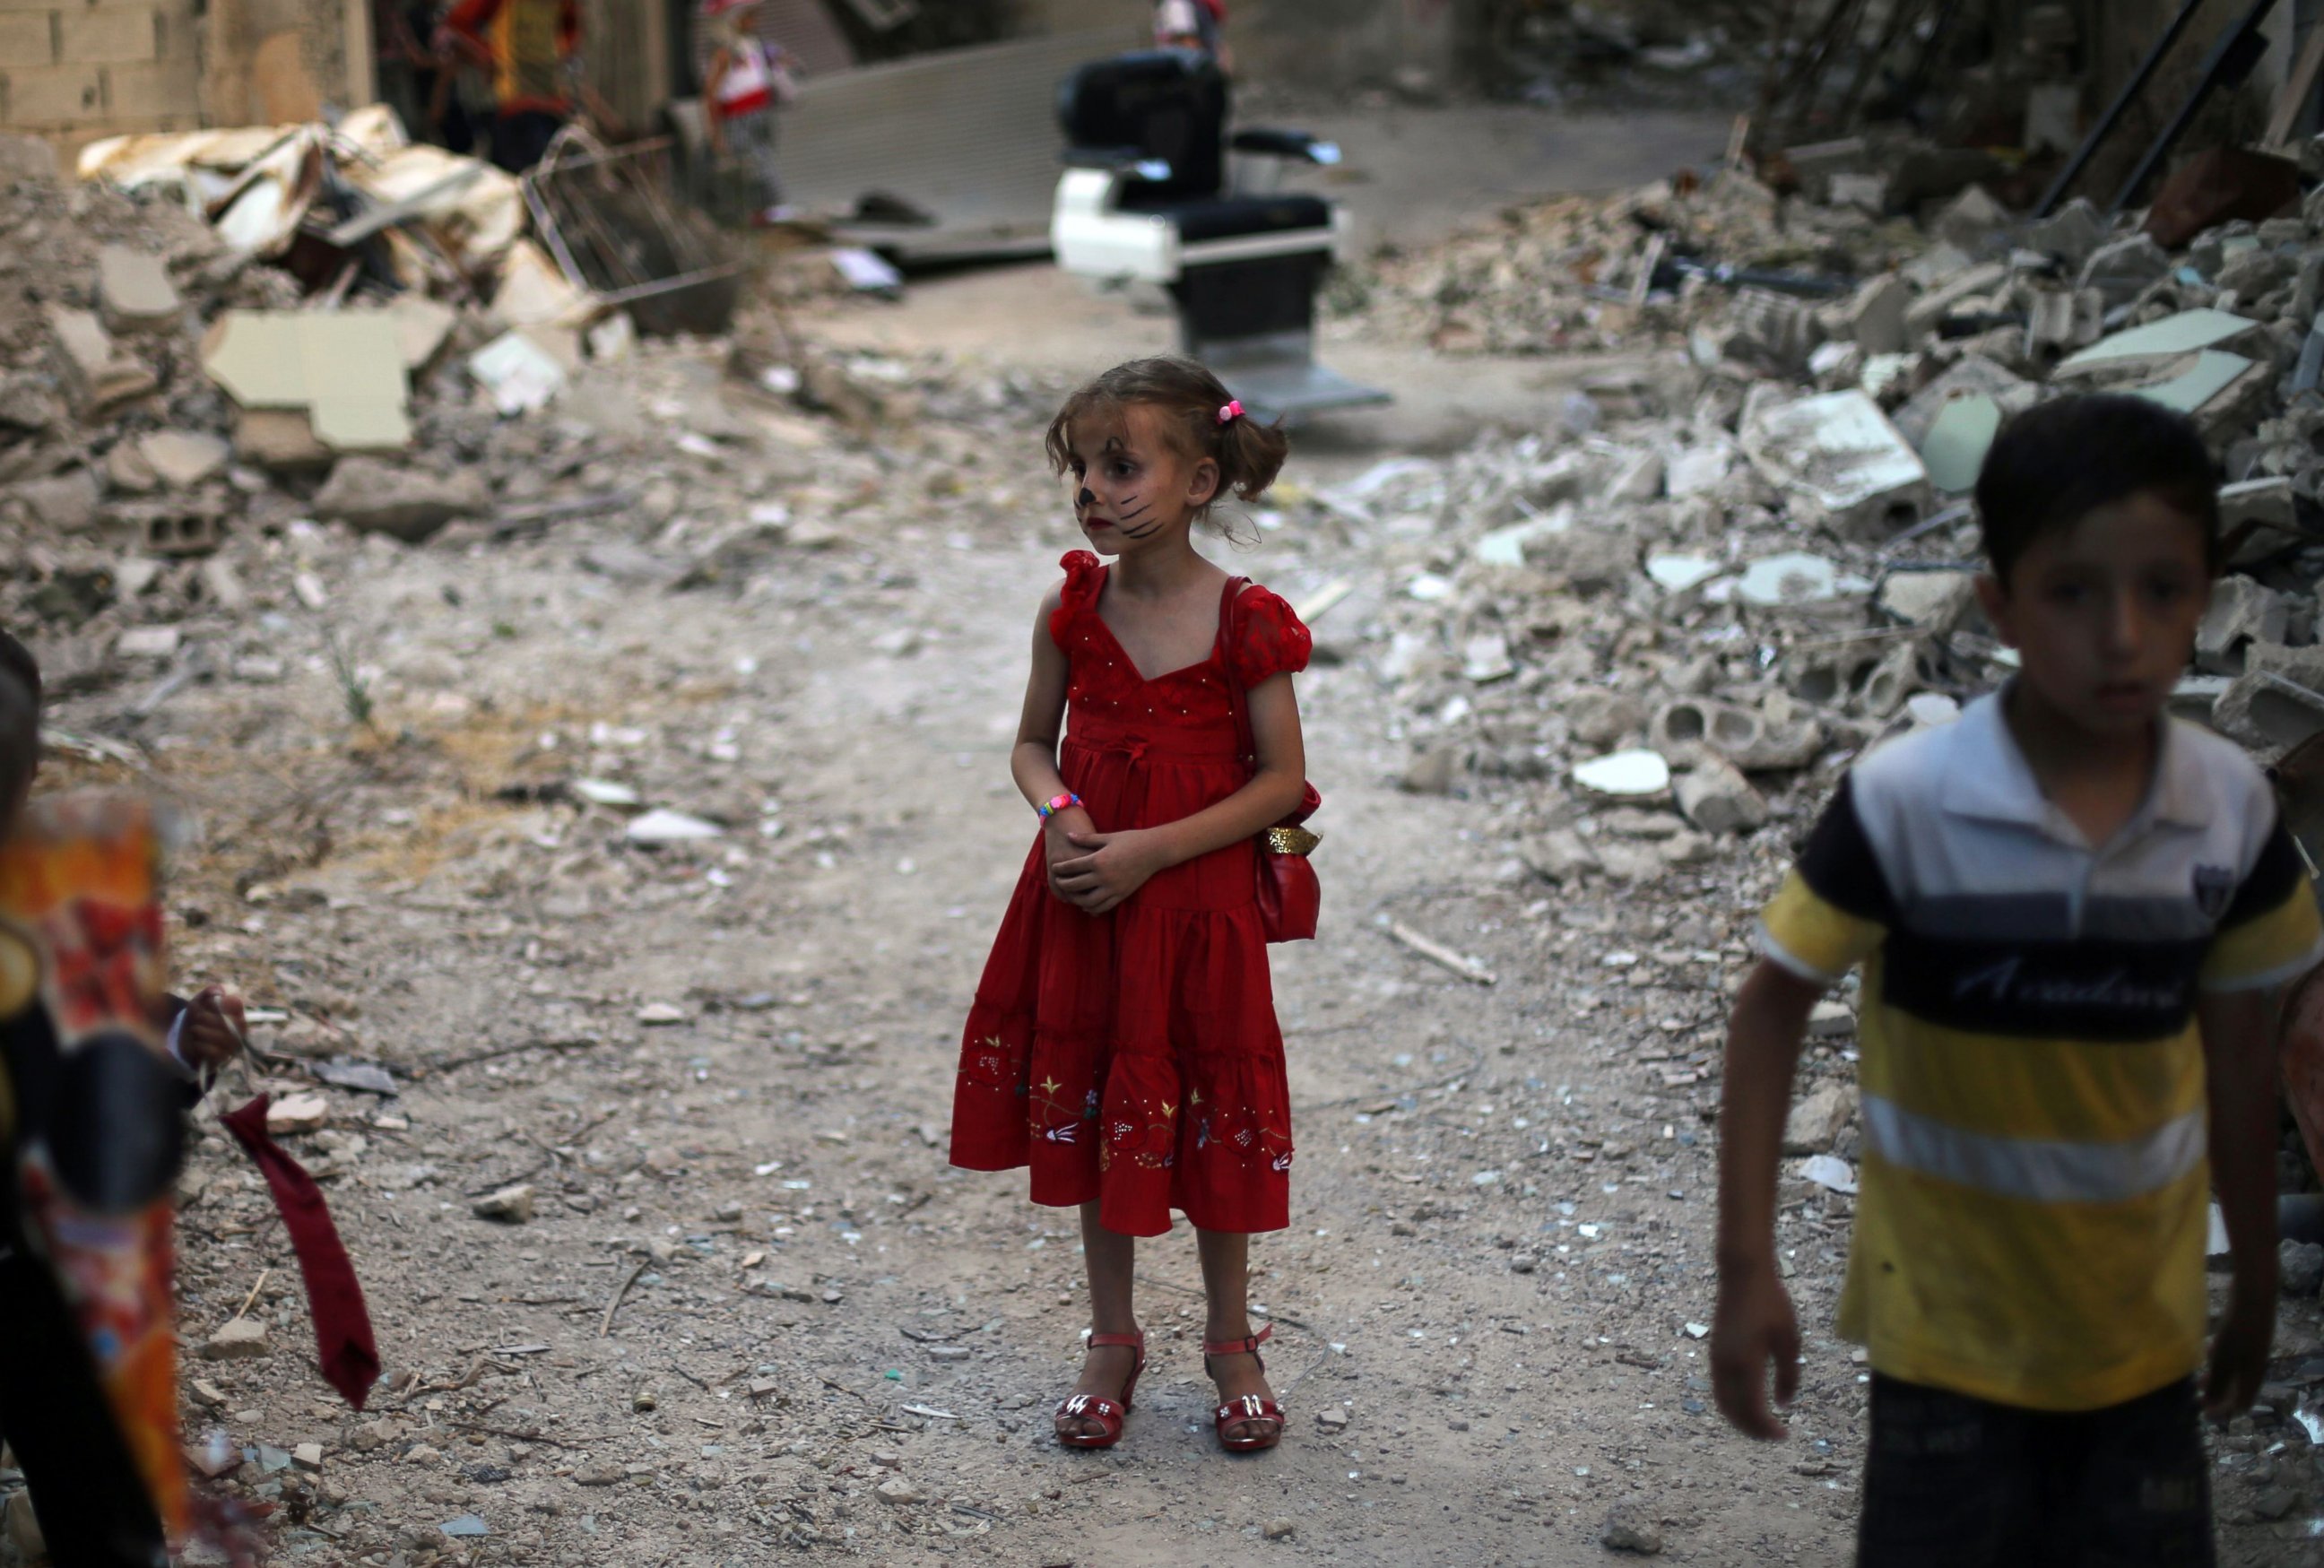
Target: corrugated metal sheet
(969,134)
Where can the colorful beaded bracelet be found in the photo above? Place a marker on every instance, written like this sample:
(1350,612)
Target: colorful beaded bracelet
(1055,804)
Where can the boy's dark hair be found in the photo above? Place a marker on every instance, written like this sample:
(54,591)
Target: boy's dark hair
(20,721)
(1188,397)
(2060,460)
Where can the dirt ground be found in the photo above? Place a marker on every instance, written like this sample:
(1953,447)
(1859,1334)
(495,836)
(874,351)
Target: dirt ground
(751,1295)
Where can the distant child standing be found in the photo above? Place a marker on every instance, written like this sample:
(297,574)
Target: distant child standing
(1198,24)
(2071,910)
(1124,1043)
(749,79)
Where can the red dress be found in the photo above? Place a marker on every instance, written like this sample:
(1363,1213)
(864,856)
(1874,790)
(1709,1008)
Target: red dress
(1133,1057)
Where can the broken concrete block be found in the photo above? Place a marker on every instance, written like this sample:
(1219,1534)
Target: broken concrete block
(2242,611)
(1958,441)
(243,1340)
(134,293)
(184,525)
(2124,270)
(126,470)
(1819,1118)
(1776,328)
(63,502)
(1875,316)
(1932,308)
(1973,376)
(1970,219)
(1935,602)
(343,369)
(2137,354)
(2252,272)
(2277,702)
(2072,234)
(1838,452)
(1865,192)
(1936,266)
(99,375)
(375,496)
(2064,319)
(1640,480)
(1717,799)
(280,439)
(1894,679)
(1560,855)
(1603,718)
(1794,577)
(182,459)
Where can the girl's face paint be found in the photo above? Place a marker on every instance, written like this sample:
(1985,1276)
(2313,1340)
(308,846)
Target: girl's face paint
(1129,485)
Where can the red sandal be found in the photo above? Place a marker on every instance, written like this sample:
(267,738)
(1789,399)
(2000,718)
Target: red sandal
(1250,1410)
(1107,1413)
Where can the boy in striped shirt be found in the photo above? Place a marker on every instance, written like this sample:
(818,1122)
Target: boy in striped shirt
(2070,911)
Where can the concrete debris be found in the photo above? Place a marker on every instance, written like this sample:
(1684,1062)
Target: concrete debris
(1838,455)
(1819,1118)
(512,1205)
(243,1340)
(99,375)
(1718,800)
(2299,1268)
(1625,774)
(1627,1529)
(134,292)
(375,497)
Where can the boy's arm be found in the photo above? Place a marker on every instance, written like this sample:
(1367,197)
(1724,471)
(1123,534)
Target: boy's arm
(1753,1323)
(2239,1068)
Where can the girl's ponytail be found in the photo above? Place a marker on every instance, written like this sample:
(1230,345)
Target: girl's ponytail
(1251,455)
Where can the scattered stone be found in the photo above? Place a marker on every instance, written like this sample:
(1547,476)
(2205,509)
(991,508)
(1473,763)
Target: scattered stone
(298,1113)
(1817,1118)
(181,460)
(63,504)
(899,1493)
(1279,1529)
(662,825)
(308,1456)
(1625,773)
(598,1472)
(134,293)
(513,1205)
(97,376)
(2299,1268)
(374,496)
(1717,799)
(1627,1530)
(2242,613)
(243,1340)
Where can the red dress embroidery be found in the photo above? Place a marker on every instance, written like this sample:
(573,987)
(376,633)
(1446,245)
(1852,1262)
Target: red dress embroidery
(1133,1057)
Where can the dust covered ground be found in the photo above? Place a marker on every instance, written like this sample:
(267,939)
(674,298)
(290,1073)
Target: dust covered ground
(754,1316)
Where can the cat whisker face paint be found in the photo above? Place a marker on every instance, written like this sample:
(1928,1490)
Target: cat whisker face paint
(1123,478)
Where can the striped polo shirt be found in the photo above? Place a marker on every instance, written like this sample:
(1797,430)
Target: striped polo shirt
(2032,1216)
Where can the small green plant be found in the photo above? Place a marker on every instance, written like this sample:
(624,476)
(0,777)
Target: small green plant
(354,689)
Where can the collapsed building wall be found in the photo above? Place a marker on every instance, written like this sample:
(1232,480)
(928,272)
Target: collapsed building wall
(79,70)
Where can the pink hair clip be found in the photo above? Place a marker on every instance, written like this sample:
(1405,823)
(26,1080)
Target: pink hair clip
(1229,413)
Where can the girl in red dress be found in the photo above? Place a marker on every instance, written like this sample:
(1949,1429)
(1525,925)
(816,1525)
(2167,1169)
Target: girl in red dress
(1123,1043)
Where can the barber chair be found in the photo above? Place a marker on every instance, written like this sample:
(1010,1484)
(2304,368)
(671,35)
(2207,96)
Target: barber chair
(1147,196)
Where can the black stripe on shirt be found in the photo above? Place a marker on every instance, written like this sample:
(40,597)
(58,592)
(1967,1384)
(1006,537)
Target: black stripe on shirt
(1838,863)
(2273,877)
(2110,993)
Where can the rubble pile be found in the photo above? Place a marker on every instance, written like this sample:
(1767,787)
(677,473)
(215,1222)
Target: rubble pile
(174,411)
(1583,273)
(1715,579)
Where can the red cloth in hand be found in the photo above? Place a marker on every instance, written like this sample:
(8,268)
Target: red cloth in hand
(343,1337)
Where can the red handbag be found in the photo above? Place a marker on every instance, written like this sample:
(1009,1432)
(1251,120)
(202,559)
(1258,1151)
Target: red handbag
(1289,895)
